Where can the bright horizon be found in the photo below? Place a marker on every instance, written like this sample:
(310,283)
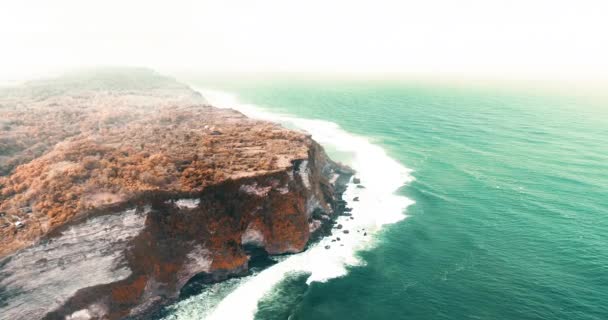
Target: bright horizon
(469,38)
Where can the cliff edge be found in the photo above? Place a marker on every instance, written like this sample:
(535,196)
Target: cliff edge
(117,188)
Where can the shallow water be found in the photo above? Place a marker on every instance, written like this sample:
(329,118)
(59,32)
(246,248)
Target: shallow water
(509,220)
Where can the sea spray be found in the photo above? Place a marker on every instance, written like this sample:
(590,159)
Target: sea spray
(377,205)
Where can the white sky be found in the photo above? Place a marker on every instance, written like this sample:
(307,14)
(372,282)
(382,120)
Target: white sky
(488,37)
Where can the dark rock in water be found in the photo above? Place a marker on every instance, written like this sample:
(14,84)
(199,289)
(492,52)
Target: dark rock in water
(341,245)
(327,247)
(258,257)
(365,234)
(356,199)
(360,186)
(338,238)
(352,218)
(340,207)
(356,180)
(340,203)
(333,240)
(346,231)
(318,214)
(339,226)
(348,209)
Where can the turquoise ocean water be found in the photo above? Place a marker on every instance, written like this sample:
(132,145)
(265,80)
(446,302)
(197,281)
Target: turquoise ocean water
(510,219)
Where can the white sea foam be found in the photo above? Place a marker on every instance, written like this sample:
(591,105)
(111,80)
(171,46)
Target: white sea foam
(378,205)
(187,203)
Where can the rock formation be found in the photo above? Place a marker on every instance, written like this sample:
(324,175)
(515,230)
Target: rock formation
(116,189)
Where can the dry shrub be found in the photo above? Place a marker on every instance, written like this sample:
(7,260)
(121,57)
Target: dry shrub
(151,179)
(90,162)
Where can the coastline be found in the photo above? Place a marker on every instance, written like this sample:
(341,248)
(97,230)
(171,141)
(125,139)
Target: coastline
(203,215)
(376,205)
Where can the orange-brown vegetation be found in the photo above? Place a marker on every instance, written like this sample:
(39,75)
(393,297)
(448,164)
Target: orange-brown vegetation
(64,155)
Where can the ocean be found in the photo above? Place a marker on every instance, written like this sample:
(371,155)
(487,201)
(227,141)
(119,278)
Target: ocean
(481,202)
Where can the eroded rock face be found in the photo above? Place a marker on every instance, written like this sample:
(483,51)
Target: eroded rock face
(42,277)
(117,216)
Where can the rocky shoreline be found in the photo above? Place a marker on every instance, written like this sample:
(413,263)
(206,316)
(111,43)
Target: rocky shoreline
(118,188)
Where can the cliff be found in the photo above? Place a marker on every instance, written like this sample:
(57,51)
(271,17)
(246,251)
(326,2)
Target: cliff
(116,189)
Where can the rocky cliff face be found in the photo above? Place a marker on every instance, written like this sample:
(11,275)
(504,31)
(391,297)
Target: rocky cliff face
(112,199)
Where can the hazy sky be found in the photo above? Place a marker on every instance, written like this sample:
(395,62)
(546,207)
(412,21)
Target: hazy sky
(489,37)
